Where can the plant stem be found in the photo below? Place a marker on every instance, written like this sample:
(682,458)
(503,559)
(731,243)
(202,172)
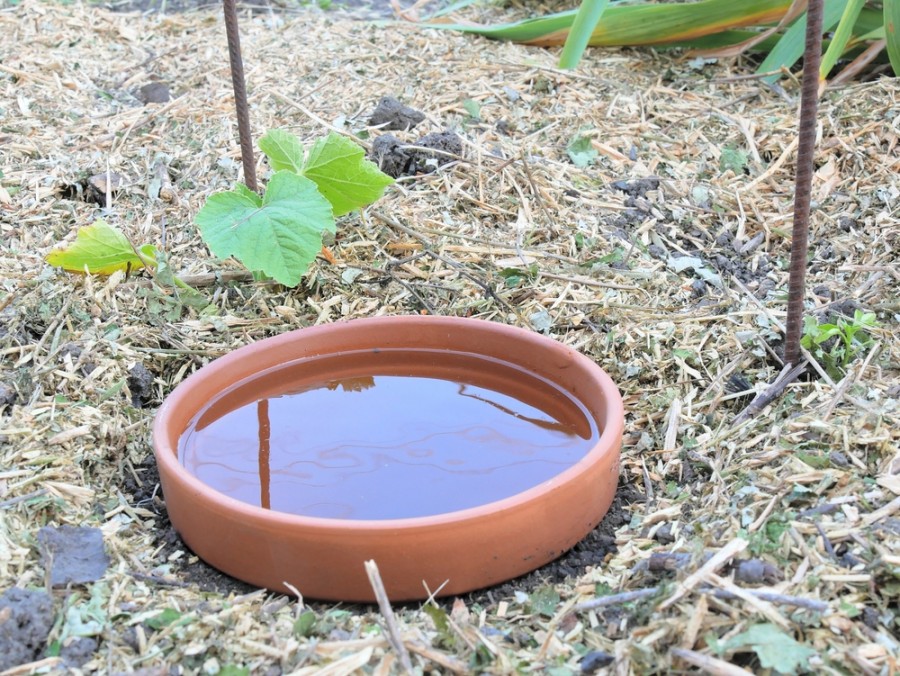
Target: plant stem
(806,143)
(240,93)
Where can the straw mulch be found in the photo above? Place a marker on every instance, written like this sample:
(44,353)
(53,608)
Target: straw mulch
(808,491)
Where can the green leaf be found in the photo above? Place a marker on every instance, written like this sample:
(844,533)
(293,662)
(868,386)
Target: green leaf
(841,37)
(790,47)
(472,108)
(344,176)
(304,624)
(734,159)
(775,649)
(581,151)
(278,234)
(442,623)
(586,20)
(233,670)
(100,249)
(544,600)
(164,619)
(284,151)
(892,33)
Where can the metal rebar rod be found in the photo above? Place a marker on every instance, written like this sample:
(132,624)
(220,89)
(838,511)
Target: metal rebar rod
(806,144)
(240,93)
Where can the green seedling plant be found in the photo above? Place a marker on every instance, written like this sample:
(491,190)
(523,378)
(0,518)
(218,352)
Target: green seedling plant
(276,235)
(837,344)
(280,233)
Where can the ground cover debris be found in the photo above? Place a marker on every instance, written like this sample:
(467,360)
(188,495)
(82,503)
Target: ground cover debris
(664,259)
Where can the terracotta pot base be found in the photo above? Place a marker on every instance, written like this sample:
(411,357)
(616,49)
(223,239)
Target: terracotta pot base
(455,551)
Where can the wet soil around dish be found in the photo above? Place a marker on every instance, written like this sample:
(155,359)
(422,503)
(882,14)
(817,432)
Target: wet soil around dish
(186,568)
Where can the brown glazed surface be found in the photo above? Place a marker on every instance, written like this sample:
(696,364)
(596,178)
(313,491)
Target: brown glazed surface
(468,549)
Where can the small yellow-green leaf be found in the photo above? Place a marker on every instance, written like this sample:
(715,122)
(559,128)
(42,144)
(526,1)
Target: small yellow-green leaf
(100,249)
(343,174)
(284,150)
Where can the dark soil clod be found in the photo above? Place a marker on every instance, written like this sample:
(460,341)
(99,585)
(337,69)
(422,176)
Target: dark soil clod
(389,155)
(636,187)
(391,114)
(154,92)
(74,554)
(448,146)
(25,621)
(8,396)
(140,384)
(396,159)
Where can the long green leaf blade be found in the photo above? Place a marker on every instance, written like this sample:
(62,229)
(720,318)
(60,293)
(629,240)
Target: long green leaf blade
(892,33)
(589,14)
(650,24)
(841,37)
(790,48)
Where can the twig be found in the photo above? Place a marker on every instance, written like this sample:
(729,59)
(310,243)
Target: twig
(724,594)
(767,396)
(22,498)
(709,665)
(718,560)
(156,579)
(488,289)
(384,604)
(318,120)
(616,599)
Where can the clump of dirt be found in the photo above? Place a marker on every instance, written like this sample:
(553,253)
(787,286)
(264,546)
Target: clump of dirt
(430,152)
(153,92)
(8,397)
(391,114)
(26,618)
(140,384)
(73,554)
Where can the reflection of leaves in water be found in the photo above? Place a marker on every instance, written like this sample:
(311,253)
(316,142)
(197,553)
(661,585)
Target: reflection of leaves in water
(352,384)
(552,425)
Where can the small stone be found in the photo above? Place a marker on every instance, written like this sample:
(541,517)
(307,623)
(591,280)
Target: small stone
(8,396)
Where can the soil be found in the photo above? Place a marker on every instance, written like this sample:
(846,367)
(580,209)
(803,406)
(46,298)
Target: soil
(25,620)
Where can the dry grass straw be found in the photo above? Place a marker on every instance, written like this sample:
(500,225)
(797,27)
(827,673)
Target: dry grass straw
(811,484)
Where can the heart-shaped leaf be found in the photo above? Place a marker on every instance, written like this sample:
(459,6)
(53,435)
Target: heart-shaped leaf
(347,179)
(278,234)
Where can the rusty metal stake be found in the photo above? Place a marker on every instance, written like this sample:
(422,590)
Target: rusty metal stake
(240,93)
(806,145)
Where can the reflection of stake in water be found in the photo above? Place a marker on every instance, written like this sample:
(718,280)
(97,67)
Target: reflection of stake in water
(265,433)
